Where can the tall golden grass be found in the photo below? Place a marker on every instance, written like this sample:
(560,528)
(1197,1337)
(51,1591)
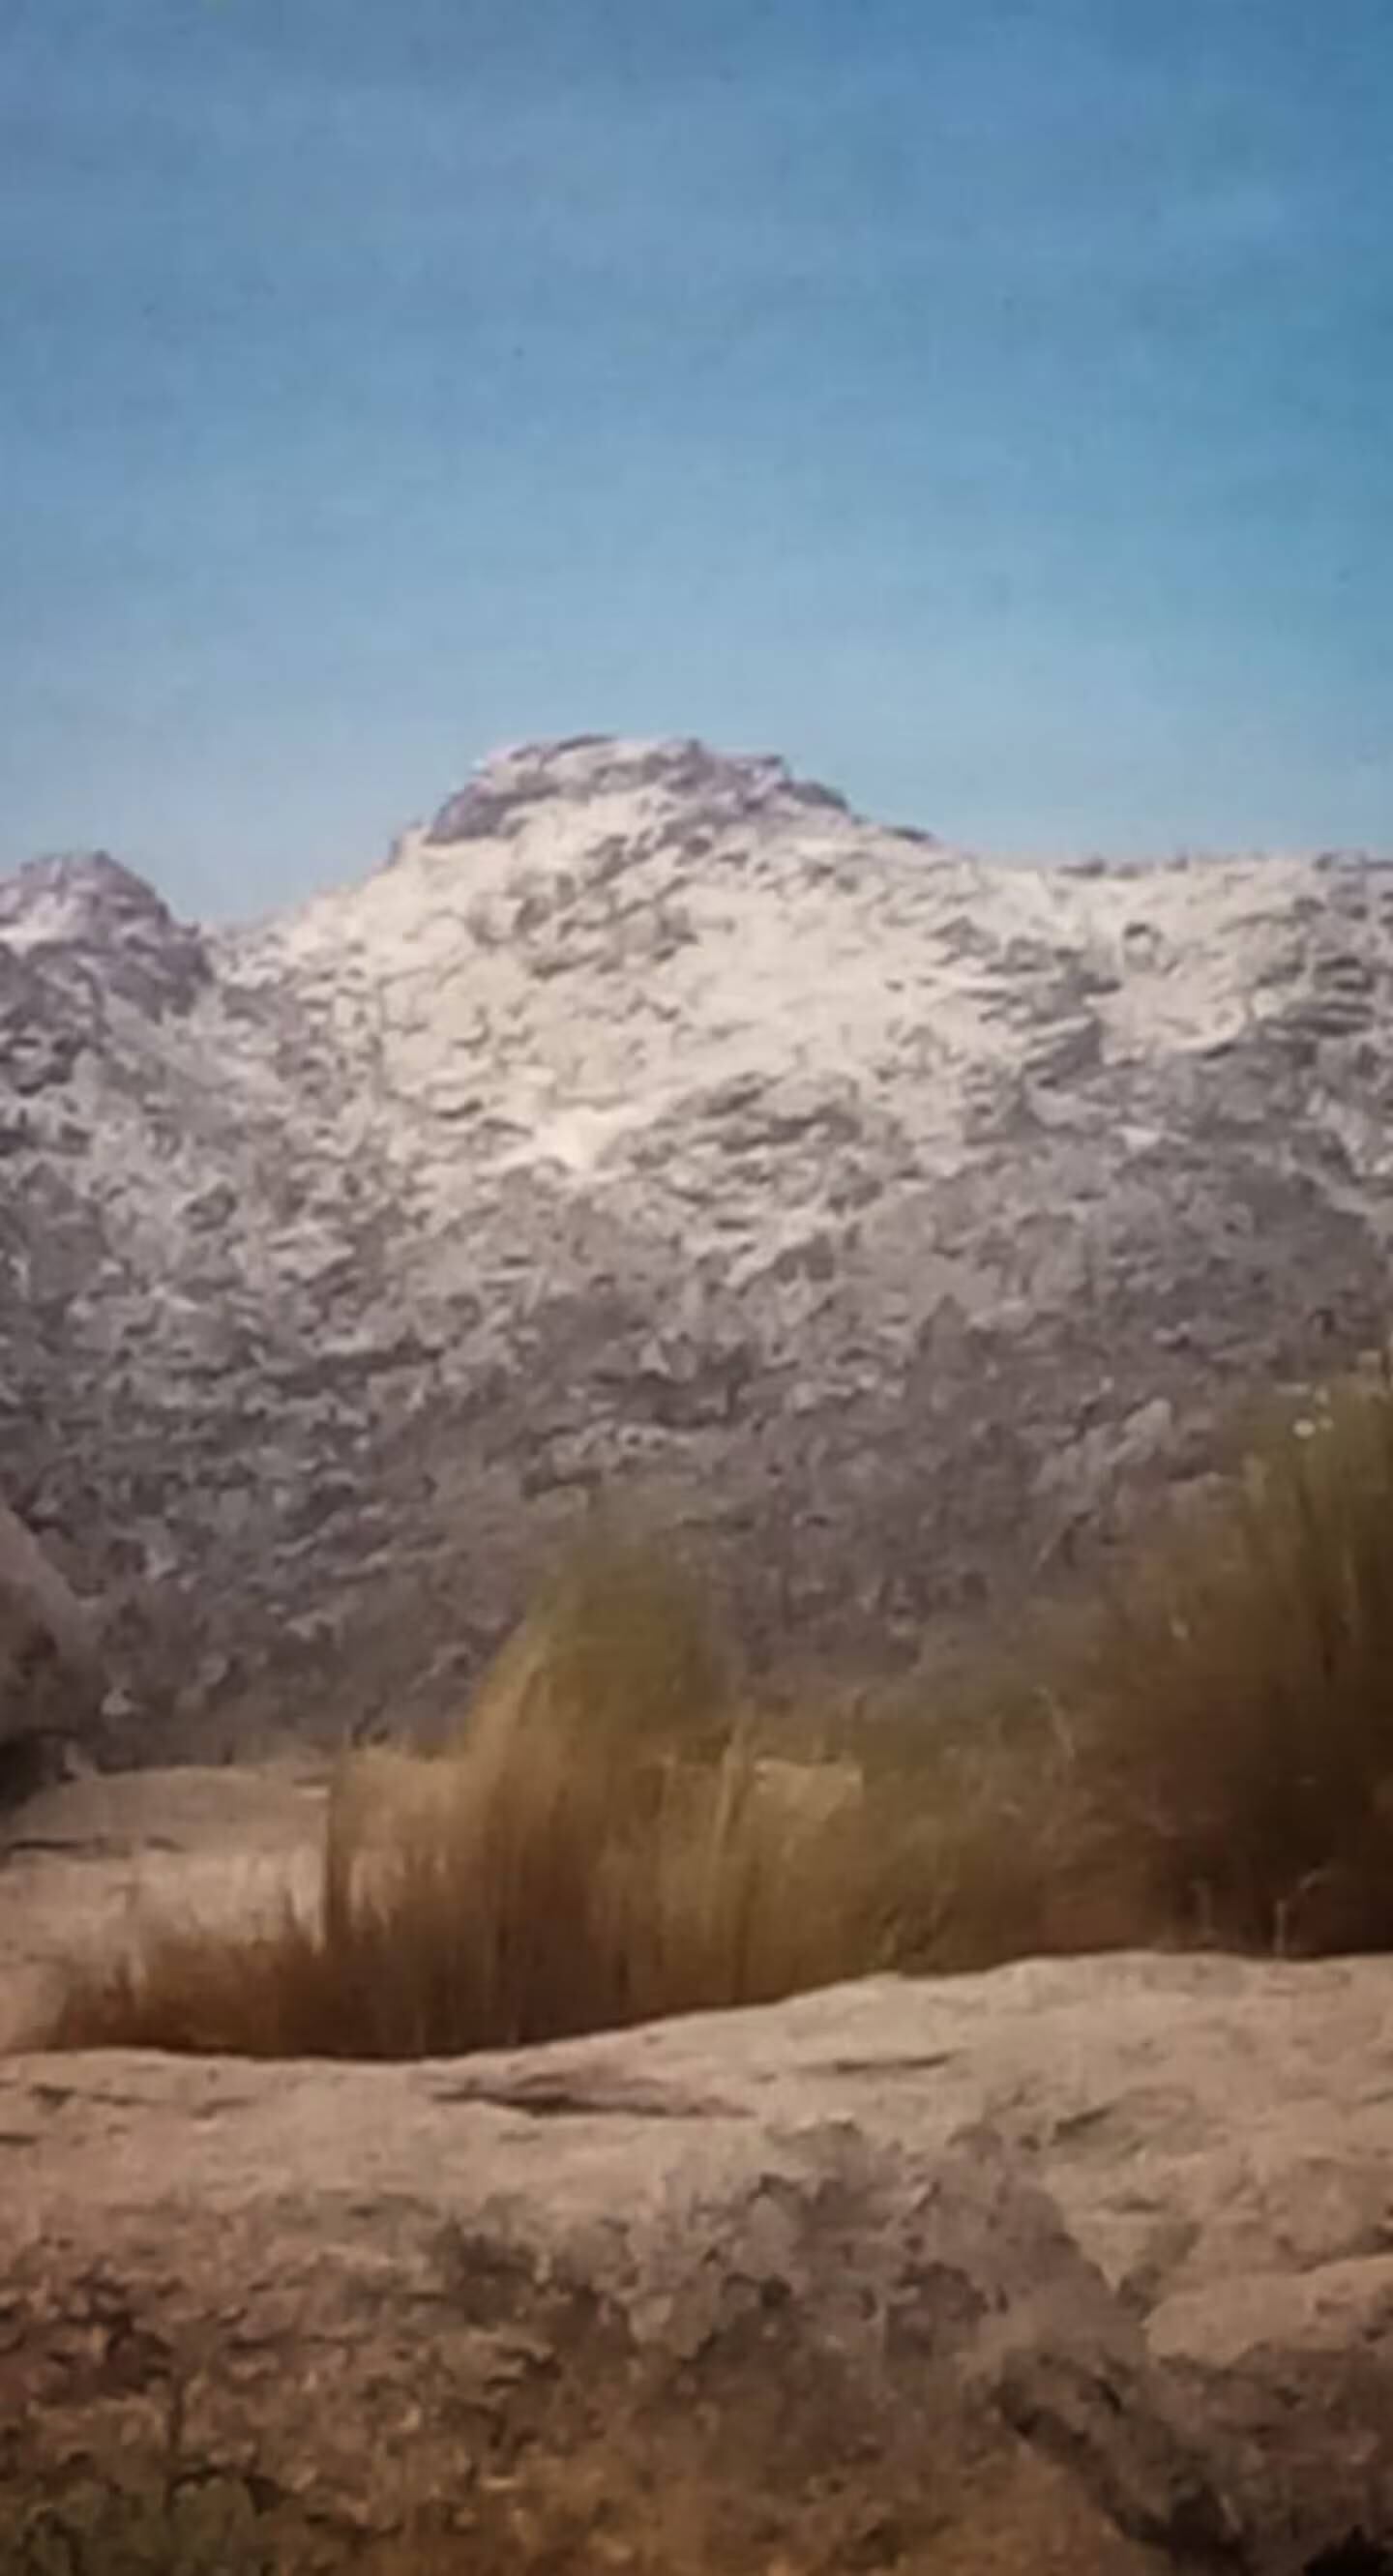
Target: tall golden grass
(1202,1754)
(1234,1694)
(605,1842)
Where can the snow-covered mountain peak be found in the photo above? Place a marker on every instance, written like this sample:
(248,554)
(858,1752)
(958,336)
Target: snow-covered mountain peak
(653,1121)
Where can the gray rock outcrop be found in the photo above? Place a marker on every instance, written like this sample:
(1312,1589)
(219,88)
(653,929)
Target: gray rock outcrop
(51,1681)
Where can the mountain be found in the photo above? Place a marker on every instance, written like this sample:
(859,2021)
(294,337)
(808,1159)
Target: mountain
(651,1124)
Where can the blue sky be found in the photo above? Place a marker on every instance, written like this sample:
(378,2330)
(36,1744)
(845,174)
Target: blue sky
(989,406)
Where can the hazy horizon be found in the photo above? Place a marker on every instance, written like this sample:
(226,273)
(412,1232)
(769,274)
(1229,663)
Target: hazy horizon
(984,410)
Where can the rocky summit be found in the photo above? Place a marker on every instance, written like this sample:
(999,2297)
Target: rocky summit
(650,1125)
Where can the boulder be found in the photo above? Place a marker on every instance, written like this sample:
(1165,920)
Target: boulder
(1082,2265)
(50,1668)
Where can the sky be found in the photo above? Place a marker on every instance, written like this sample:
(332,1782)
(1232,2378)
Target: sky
(987,405)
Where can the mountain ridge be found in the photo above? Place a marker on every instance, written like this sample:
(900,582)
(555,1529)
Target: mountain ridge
(650,1124)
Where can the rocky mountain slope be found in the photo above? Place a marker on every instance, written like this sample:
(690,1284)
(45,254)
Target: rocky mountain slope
(651,1123)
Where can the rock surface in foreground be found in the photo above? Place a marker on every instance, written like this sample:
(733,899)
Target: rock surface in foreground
(1077,2266)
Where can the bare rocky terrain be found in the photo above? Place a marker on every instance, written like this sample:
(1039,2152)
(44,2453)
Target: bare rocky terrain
(1082,2266)
(650,1125)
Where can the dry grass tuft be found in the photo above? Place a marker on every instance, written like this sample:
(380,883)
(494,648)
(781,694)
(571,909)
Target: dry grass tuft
(1206,1754)
(1234,1696)
(604,1844)
(1203,1755)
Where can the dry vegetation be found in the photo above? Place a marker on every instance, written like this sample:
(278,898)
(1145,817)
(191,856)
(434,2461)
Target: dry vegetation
(1236,1693)
(1204,1754)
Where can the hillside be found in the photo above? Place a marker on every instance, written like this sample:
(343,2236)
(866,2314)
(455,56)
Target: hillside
(651,1124)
